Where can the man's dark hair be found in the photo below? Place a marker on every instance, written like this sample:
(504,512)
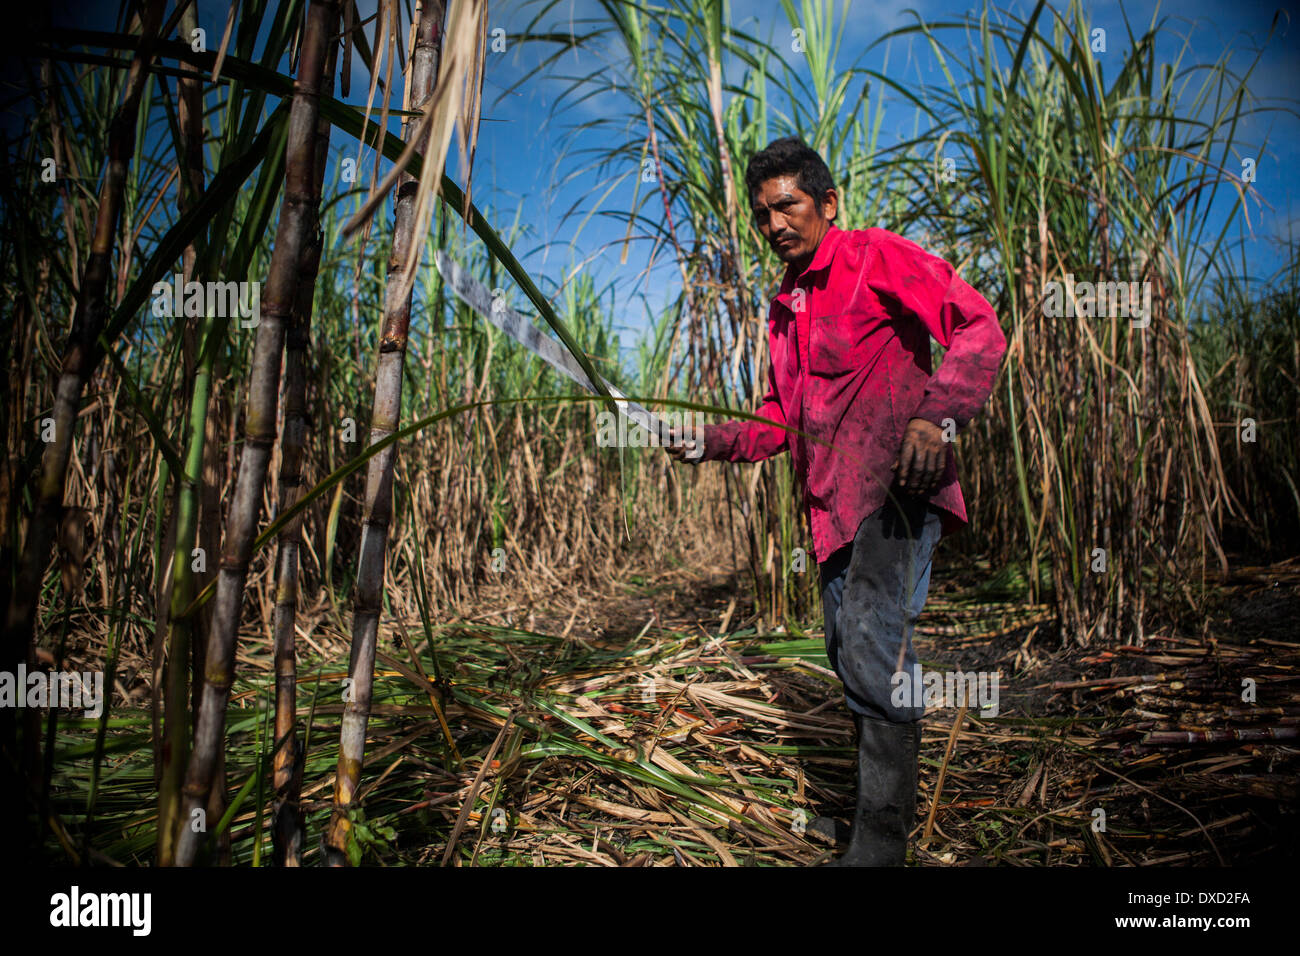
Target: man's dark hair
(790,156)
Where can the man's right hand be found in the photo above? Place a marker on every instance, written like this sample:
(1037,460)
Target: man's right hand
(689,450)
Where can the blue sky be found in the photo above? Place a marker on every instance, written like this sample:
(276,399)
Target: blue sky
(518,170)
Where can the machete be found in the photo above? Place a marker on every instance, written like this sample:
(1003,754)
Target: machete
(518,327)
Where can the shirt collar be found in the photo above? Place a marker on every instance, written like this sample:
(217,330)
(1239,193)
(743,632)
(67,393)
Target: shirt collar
(821,258)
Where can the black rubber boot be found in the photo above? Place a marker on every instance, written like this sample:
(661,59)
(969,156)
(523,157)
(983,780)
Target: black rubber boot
(888,755)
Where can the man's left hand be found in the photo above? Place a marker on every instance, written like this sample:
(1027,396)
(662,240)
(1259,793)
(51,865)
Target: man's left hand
(923,459)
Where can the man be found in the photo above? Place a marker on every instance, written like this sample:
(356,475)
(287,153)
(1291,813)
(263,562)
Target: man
(849,336)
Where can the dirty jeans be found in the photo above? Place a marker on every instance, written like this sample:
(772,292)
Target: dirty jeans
(873,591)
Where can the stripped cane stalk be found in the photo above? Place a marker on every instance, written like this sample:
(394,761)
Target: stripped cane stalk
(379,476)
(298,216)
(80,356)
(287,823)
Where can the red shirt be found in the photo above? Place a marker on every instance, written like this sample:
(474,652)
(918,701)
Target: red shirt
(851,366)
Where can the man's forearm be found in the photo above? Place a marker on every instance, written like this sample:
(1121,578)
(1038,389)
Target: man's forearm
(742,440)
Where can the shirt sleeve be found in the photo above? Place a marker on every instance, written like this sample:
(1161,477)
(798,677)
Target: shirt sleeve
(959,319)
(749,440)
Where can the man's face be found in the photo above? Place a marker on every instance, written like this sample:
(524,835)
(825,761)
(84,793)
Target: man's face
(789,220)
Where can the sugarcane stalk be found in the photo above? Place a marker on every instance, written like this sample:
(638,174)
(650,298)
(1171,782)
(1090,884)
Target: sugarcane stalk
(1189,738)
(379,475)
(288,825)
(298,214)
(81,355)
(176,729)
(176,742)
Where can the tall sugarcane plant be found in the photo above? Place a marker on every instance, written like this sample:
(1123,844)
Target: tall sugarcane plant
(197,512)
(1061,174)
(81,356)
(424,68)
(287,823)
(296,230)
(185,514)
